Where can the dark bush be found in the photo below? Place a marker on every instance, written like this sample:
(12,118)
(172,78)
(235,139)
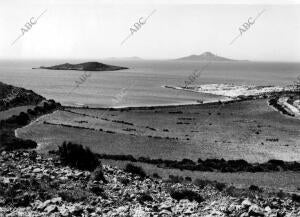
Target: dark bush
(77,156)
(130,168)
(144,197)
(155,175)
(32,155)
(179,194)
(12,143)
(22,119)
(188,179)
(254,188)
(201,183)
(98,174)
(175,179)
(31,112)
(96,189)
(296,198)
(220,186)
(124,180)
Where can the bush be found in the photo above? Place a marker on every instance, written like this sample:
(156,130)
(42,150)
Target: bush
(296,198)
(32,155)
(188,179)
(23,119)
(175,179)
(156,176)
(12,143)
(254,188)
(201,183)
(124,180)
(98,174)
(186,194)
(144,197)
(220,186)
(130,168)
(77,156)
(99,191)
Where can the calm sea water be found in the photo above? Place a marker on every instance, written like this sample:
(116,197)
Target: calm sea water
(142,83)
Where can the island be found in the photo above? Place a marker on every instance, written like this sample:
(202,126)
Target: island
(87,66)
(206,56)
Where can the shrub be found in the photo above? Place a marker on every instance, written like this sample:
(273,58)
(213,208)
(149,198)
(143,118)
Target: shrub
(186,194)
(254,188)
(156,176)
(99,191)
(201,183)
(144,197)
(98,174)
(22,119)
(130,168)
(217,185)
(175,179)
(12,143)
(32,155)
(188,179)
(281,194)
(77,156)
(124,180)
(296,198)
(220,186)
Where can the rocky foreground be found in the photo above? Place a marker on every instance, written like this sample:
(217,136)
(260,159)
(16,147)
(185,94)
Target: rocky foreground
(34,185)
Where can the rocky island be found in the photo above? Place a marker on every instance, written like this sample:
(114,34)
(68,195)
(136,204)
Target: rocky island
(206,56)
(87,66)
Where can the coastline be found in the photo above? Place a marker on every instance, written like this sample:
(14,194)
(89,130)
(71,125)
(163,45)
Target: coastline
(149,107)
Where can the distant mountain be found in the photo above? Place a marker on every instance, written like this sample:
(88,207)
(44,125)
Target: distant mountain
(206,56)
(88,66)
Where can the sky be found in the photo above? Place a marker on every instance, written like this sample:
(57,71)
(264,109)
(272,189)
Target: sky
(95,29)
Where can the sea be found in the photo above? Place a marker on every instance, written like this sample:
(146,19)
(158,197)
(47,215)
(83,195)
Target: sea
(143,83)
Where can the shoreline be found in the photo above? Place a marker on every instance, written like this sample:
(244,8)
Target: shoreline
(149,107)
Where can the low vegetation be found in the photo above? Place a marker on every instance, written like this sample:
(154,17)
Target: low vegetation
(79,157)
(211,165)
(135,170)
(8,141)
(180,194)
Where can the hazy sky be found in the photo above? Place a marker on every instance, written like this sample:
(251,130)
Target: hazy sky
(95,29)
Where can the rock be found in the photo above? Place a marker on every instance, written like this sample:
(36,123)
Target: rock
(50,209)
(76,209)
(246,203)
(268,209)
(139,212)
(165,206)
(63,211)
(122,209)
(56,200)
(165,212)
(37,170)
(42,206)
(255,210)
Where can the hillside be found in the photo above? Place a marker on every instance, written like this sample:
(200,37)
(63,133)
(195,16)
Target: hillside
(206,56)
(11,96)
(59,190)
(87,66)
